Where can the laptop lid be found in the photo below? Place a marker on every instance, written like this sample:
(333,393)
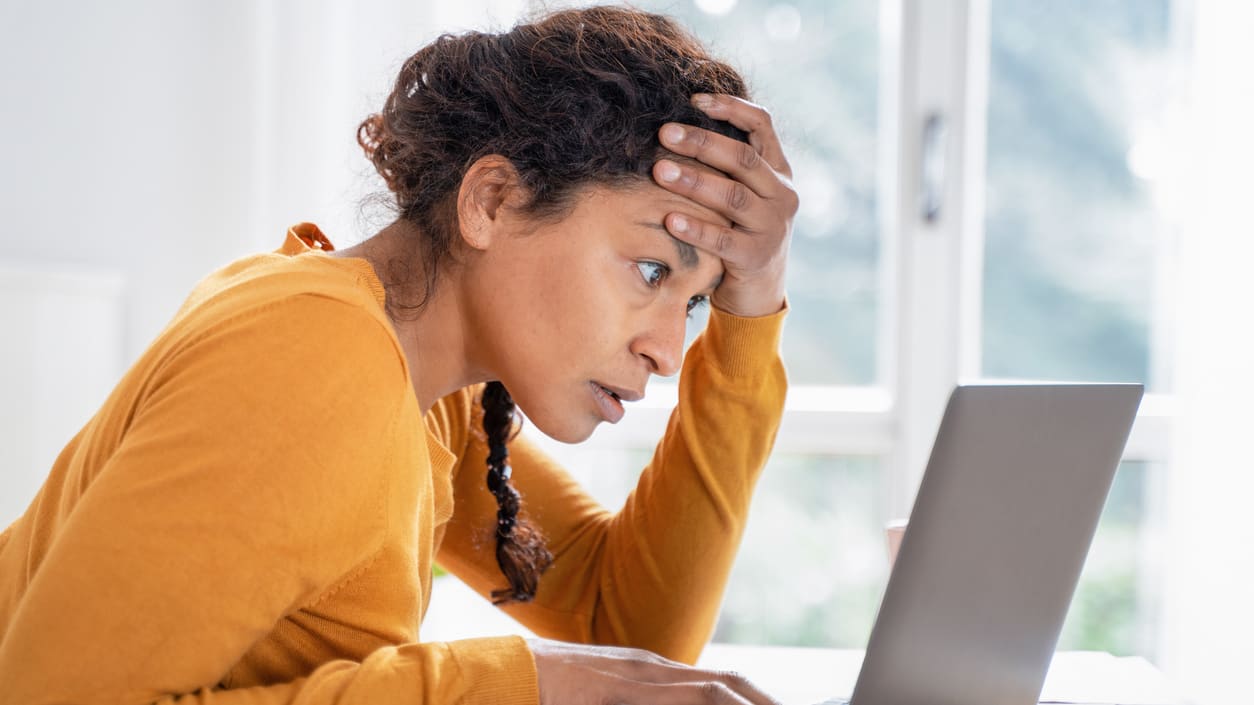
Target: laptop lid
(1001,525)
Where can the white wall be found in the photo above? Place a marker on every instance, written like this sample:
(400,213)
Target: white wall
(143,143)
(126,135)
(1210,574)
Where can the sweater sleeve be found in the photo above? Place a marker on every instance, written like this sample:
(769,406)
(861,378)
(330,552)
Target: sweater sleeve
(651,576)
(249,482)
(487,671)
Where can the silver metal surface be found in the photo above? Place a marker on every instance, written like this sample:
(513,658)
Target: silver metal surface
(1000,528)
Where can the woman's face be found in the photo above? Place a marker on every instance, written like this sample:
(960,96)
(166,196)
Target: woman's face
(598,299)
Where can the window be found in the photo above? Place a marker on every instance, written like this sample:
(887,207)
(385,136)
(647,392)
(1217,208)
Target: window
(1075,267)
(1078,100)
(829,122)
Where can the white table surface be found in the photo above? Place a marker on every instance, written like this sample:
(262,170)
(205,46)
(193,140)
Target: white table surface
(801,676)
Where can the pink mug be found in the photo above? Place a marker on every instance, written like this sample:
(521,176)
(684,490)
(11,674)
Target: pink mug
(894,530)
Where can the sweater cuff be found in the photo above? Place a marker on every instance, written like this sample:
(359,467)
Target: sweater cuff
(499,670)
(740,346)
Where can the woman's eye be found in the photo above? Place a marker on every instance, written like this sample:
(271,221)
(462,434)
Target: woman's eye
(696,302)
(654,273)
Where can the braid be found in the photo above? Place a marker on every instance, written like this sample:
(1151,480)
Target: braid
(520,550)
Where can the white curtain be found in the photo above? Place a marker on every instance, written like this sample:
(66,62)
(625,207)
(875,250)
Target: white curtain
(1210,561)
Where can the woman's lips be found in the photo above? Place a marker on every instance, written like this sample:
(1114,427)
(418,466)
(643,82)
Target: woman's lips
(611,408)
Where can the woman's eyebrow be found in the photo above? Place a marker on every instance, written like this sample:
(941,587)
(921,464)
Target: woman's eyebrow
(687,253)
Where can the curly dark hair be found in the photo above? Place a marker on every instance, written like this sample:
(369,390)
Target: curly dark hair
(573,99)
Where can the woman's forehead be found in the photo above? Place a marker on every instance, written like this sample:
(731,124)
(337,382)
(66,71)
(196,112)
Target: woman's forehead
(647,200)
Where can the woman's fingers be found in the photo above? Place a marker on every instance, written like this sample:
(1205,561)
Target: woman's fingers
(647,667)
(651,683)
(571,673)
(686,684)
(749,186)
(709,692)
(718,240)
(751,118)
(740,204)
(730,156)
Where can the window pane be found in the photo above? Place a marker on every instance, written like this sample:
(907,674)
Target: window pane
(1079,94)
(1116,605)
(814,63)
(814,558)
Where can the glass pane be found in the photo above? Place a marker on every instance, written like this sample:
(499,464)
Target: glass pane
(814,63)
(1117,603)
(607,474)
(1079,99)
(814,558)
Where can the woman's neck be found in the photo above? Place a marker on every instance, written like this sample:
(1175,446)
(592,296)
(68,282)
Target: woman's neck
(435,338)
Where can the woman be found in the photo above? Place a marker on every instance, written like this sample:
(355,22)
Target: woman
(253,514)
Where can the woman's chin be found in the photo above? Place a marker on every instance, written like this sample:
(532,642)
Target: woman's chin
(565,428)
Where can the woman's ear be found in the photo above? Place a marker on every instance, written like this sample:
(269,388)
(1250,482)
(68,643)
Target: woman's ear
(489,191)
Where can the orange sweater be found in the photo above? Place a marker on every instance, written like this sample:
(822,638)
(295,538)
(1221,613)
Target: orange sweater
(253,514)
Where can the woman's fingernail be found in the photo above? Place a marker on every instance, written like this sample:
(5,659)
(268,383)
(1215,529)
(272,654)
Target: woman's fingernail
(673,133)
(679,224)
(669,171)
(703,101)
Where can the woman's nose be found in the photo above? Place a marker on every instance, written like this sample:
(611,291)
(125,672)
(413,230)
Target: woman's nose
(662,343)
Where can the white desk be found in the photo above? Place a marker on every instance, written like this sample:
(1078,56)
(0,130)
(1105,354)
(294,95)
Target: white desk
(800,676)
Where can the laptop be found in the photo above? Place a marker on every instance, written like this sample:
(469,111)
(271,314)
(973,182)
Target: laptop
(1000,527)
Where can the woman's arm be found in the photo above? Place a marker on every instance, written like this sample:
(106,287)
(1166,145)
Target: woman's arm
(249,484)
(652,575)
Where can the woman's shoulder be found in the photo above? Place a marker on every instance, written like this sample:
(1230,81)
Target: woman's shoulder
(284,305)
(295,276)
(273,279)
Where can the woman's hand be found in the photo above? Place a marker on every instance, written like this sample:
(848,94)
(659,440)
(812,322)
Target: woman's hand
(758,199)
(575,674)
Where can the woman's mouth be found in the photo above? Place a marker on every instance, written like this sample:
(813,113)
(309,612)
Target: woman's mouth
(608,402)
